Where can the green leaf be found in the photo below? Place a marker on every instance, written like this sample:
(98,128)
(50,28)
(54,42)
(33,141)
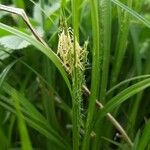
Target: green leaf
(145,138)
(132,12)
(127,81)
(13,42)
(95,77)
(113,142)
(136,141)
(32,123)
(25,140)
(124,95)
(47,51)
(5,72)
(32,116)
(3,139)
(4,53)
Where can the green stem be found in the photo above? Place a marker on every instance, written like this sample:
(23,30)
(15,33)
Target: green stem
(76,116)
(95,73)
(76,86)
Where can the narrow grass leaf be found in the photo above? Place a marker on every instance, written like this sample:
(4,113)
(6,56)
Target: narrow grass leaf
(132,12)
(33,124)
(25,140)
(95,77)
(34,117)
(125,82)
(5,72)
(124,95)
(47,51)
(145,138)
(136,141)
(105,41)
(31,111)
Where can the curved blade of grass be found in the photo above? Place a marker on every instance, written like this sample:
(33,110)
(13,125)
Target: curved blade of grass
(30,109)
(145,138)
(124,95)
(33,70)
(32,114)
(47,51)
(120,146)
(61,104)
(24,102)
(126,81)
(132,12)
(5,72)
(34,125)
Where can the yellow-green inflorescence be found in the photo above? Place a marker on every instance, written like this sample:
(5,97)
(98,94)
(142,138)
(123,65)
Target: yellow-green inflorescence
(68,55)
(74,60)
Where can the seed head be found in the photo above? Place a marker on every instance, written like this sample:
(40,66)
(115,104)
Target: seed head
(71,58)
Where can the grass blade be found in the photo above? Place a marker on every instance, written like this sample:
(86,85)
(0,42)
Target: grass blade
(95,78)
(121,45)
(33,116)
(145,138)
(125,94)
(76,86)
(47,51)
(132,12)
(105,40)
(127,81)
(25,140)
(5,72)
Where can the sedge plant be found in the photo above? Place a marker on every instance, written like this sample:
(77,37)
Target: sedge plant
(74,74)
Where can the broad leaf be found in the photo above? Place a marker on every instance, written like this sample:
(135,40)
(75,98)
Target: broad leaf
(13,42)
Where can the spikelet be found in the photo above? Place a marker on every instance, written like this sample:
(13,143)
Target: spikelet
(68,55)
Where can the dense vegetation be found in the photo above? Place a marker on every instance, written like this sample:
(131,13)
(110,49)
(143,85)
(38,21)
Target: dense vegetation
(75,75)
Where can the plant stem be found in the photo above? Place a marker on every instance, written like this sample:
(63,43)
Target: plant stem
(76,85)
(95,73)
(112,120)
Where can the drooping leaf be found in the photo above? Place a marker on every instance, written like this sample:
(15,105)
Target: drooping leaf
(33,117)
(47,51)
(125,94)
(132,12)
(5,72)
